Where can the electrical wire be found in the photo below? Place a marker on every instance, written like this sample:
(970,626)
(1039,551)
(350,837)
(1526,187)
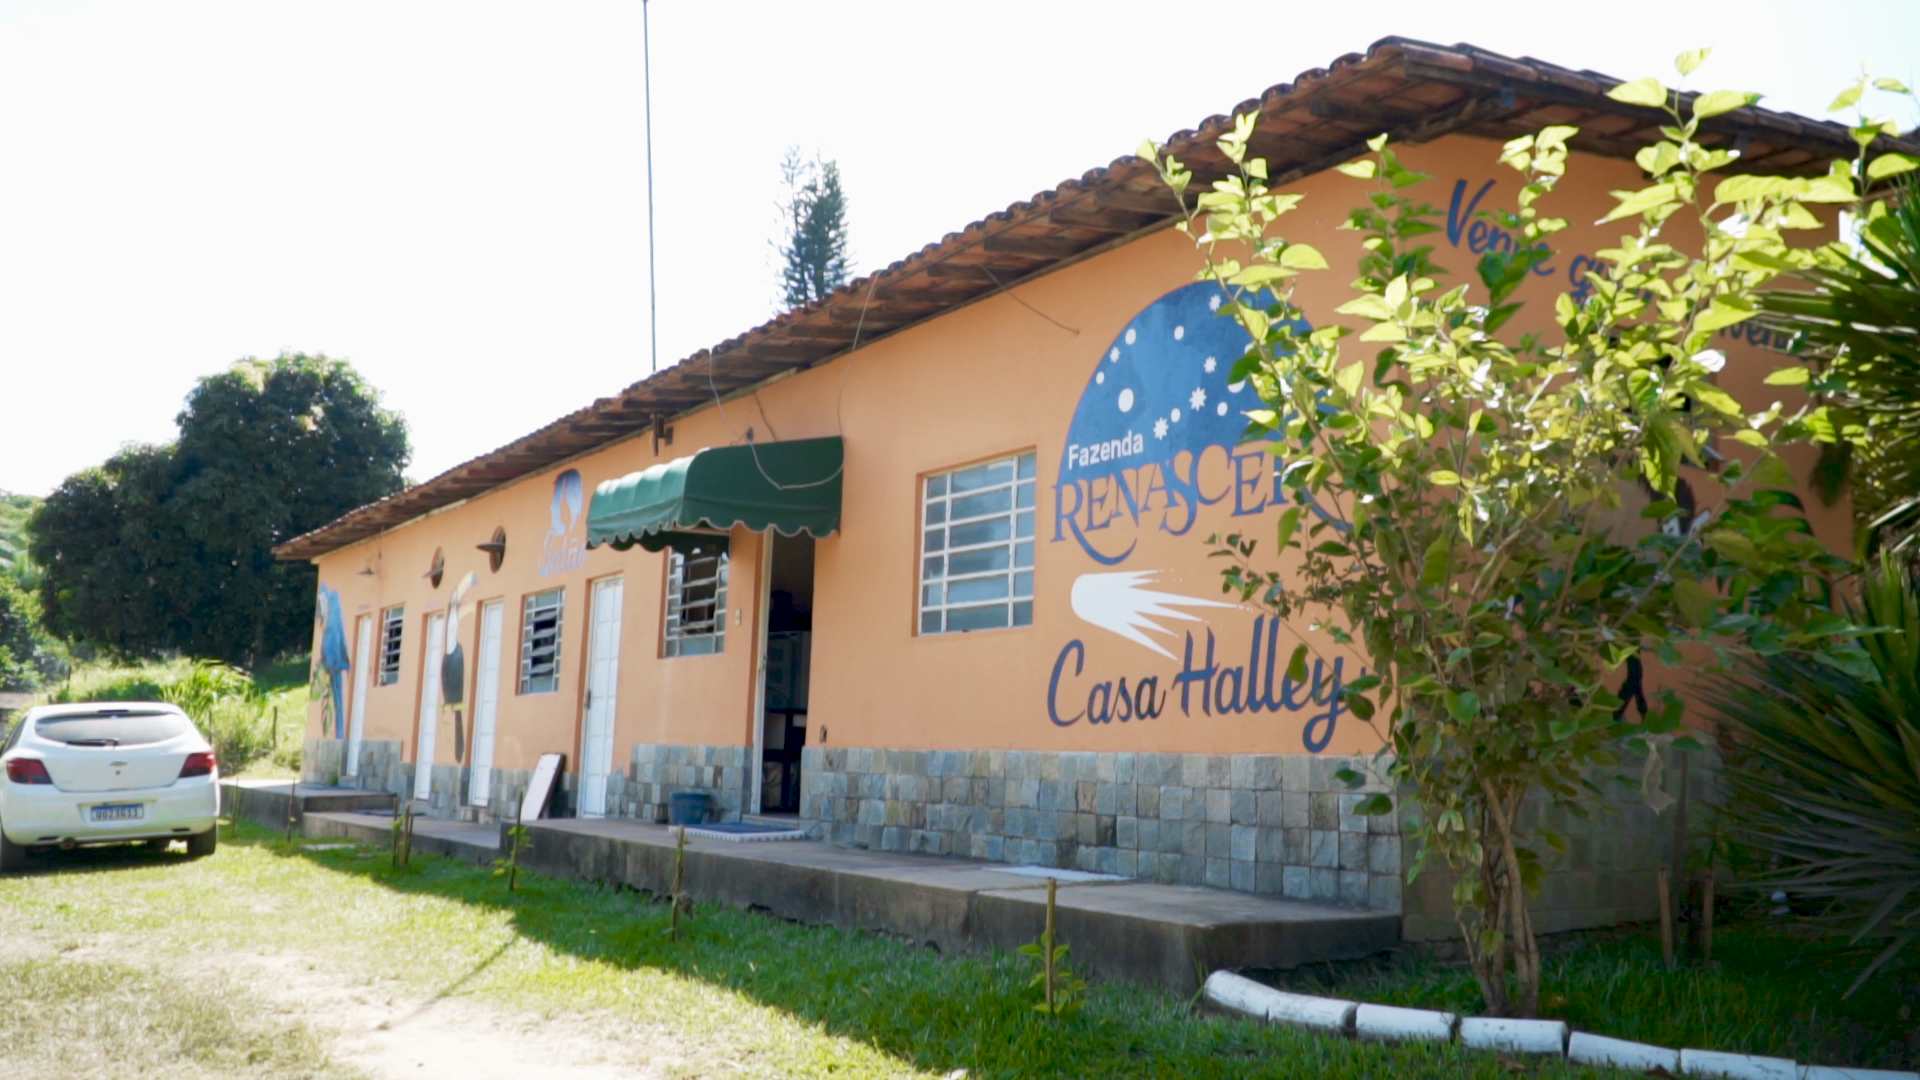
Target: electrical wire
(1002,288)
(839,400)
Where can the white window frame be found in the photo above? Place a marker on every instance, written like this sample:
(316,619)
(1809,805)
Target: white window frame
(534,606)
(1007,559)
(393,631)
(706,636)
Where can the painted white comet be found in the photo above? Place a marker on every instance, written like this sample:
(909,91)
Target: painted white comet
(1121,602)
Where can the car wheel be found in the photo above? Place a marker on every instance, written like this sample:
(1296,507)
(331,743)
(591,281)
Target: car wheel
(12,856)
(201,845)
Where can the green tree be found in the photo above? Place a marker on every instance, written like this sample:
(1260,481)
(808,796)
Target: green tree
(813,256)
(106,554)
(171,547)
(1862,318)
(28,656)
(1474,528)
(14,512)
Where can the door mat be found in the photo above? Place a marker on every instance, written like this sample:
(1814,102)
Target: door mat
(745,832)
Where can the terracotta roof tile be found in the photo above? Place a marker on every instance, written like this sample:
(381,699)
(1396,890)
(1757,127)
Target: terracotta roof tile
(1418,89)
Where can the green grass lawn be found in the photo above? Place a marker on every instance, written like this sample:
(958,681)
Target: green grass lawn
(747,995)
(1768,991)
(86,1018)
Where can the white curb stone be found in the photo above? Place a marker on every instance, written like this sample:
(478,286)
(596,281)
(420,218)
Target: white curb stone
(1388,1023)
(1236,993)
(1737,1066)
(1514,1036)
(1586,1049)
(1243,995)
(1832,1072)
(1305,1011)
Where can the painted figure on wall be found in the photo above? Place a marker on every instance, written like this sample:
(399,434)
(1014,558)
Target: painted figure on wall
(565,546)
(327,681)
(453,666)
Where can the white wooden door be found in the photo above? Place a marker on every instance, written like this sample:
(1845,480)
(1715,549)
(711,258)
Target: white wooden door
(603,676)
(356,718)
(486,701)
(429,705)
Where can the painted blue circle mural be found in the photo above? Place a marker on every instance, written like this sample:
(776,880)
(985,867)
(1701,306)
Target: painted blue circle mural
(1162,387)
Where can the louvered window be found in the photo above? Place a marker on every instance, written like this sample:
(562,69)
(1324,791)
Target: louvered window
(540,643)
(696,603)
(393,623)
(976,547)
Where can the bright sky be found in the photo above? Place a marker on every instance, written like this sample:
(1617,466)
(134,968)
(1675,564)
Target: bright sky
(453,194)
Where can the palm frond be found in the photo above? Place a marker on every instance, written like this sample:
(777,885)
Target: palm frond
(1825,770)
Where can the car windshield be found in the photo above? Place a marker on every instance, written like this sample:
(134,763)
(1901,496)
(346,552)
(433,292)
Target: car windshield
(110,727)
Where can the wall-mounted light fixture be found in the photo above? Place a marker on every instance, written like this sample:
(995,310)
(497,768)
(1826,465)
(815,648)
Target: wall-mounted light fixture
(496,549)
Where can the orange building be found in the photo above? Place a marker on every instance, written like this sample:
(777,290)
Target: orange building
(924,566)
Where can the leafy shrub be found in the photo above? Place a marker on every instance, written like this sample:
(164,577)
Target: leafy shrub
(228,707)
(1825,770)
(105,682)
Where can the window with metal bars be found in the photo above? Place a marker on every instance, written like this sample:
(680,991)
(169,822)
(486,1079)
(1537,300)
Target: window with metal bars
(393,622)
(976,547)
(540,642)
(696,603)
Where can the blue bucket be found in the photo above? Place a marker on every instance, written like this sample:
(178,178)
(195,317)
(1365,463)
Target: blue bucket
(687,808)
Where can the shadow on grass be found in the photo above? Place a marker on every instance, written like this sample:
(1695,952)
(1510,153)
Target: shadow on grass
(936,1013)
(90,860)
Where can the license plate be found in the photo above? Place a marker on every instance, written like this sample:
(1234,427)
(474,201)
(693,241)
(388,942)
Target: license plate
(120,812)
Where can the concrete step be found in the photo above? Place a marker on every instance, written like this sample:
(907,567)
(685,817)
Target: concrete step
(431,836)
(1165,935)
(1136,931)
(265,802)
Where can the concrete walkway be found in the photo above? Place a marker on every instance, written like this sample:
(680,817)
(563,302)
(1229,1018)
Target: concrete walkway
(1164,935)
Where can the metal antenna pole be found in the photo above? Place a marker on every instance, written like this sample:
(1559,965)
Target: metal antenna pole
(653,295)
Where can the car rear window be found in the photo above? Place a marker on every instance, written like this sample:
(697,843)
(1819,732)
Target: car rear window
(112,728)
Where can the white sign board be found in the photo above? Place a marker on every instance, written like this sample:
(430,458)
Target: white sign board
(540,788)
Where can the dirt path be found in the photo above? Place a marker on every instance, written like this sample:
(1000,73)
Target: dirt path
(377,1028)
(392,1036)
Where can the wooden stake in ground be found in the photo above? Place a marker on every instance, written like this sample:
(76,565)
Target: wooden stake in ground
(1706,918)
(1046,946)
(678,899)
(403,835)
(1666,919)
(293,807)
(518,834)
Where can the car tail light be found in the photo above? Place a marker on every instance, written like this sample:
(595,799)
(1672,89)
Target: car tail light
(26,770)
(200,763)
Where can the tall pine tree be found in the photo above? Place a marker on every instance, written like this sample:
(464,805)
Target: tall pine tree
(813,257)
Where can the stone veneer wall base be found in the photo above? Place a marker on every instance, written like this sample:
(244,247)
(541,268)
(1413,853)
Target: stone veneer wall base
(1276,825)
(1279,825)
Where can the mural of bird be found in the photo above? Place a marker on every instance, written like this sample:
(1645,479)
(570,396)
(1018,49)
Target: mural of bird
(334,657)
(453,666)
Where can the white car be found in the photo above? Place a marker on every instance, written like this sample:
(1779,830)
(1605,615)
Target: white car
(105,773)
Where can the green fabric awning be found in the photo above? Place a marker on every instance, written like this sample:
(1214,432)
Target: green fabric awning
(793,487)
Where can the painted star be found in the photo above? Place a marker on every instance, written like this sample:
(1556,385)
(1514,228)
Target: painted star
(1160,428)
(1197,398)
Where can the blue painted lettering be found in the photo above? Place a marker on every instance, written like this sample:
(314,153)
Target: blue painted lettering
(1244,484)
(1190,675)
(1079,652)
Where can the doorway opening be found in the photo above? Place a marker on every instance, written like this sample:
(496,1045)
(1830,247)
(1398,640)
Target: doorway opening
(783,722)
